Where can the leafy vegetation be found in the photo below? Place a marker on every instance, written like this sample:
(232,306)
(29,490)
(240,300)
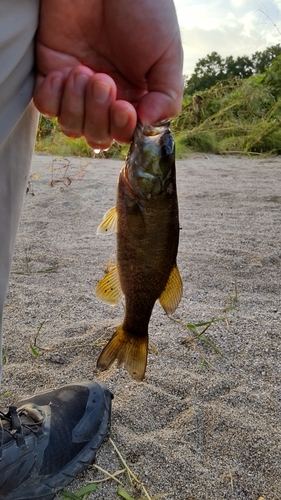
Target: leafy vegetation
(234,116)
(213,68)
(135,485)
(230,106)
(52,141)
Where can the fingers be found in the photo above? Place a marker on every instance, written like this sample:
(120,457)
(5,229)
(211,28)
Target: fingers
(107,121)
(48,93)
(100,95)
(157,106)
(85,104)
(105,117)
(123,118)
(72,109)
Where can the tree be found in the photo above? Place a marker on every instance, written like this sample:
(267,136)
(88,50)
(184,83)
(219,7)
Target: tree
(207,72)
(242,67)
(263,60)
(272,77)
(213,68)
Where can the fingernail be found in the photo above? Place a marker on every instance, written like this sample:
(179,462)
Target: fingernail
(101,92)
(80,82)
(120,118)
(56,84)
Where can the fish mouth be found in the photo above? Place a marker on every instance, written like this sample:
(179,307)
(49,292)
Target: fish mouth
(152,130)
(150,158)
(158,134)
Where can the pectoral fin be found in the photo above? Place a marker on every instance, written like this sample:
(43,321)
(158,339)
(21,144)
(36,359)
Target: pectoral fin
(109,222)
(109,288)
(172,294)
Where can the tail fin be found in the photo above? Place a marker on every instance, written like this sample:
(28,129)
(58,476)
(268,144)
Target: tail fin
(130,351)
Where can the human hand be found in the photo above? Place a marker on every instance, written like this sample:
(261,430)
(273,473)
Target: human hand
(103,64)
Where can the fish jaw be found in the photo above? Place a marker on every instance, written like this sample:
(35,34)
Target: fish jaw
(151,160)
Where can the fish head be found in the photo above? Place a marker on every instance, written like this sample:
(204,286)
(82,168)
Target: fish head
(150,163)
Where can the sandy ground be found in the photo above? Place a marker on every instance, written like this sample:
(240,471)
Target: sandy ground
(202,425)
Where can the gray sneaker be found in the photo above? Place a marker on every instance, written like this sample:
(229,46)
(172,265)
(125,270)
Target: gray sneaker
(45,441)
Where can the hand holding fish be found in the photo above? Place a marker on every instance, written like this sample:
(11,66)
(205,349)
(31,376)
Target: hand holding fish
(103,64)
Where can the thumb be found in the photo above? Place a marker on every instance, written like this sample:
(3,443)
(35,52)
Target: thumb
(165,88)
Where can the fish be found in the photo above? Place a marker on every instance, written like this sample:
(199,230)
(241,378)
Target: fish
(146,223)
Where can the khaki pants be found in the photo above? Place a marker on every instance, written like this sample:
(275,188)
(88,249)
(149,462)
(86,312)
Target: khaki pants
(18,123)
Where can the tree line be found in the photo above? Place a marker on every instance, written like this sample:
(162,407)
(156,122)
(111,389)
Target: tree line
(213,68)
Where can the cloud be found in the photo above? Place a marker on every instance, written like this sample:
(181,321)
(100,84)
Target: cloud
(235,40)
(237,3)
(237,31)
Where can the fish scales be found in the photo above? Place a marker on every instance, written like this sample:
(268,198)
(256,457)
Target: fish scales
(147,227)
(146,251)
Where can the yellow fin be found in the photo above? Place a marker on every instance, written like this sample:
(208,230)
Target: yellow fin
(129,351)
(109,222)
(172,294)
(109,288)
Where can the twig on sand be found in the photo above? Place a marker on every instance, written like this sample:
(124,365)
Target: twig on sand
(129,471)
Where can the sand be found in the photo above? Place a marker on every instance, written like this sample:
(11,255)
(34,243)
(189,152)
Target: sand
(202,425)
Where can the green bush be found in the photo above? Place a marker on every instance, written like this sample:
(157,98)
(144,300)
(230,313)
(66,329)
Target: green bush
(234,116)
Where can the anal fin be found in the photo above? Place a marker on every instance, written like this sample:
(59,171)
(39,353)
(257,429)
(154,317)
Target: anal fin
(109,288)
(172,294)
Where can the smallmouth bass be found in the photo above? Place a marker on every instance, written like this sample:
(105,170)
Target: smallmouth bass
(146,221)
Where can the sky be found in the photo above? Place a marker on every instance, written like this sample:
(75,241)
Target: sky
(229,27)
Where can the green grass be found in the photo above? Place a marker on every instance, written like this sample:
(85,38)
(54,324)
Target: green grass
(198,336)
(28,270)
(60,145)
(128,488)
(5,355)
(239,116)
(51,140)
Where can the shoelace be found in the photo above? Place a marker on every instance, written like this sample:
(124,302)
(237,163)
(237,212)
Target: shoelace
(16,426)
